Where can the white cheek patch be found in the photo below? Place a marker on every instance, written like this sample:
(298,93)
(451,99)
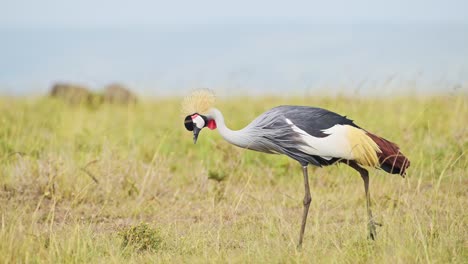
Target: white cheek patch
(199,122)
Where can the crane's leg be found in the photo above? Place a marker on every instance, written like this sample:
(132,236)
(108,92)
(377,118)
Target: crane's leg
(365,177)
(307,200)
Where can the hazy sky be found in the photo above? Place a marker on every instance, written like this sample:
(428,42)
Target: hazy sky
(164,46)
(94,13)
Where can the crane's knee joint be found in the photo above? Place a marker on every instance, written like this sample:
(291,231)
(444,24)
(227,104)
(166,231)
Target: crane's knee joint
(307,200)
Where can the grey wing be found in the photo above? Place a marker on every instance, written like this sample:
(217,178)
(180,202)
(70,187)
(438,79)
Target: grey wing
(313,120)
(278,136)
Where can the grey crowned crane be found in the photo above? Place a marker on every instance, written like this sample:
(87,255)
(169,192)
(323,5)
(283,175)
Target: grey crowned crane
(308,135)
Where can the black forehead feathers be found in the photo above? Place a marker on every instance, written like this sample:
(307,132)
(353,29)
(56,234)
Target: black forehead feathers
(188,123)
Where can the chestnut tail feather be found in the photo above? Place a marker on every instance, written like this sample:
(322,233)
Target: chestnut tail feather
(391,159)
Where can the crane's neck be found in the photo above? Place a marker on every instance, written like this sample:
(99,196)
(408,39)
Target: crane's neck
(239,138)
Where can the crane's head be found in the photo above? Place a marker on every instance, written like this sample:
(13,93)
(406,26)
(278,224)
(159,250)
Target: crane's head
(199,101)
(196,123)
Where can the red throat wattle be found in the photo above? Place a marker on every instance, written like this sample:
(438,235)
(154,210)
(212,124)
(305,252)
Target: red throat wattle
(211,124)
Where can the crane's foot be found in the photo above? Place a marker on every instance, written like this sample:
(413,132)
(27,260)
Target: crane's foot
(299,246)
(372,229)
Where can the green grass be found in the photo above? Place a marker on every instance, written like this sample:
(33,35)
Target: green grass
(74,179)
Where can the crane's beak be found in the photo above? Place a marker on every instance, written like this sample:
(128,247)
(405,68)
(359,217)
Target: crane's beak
(196,130)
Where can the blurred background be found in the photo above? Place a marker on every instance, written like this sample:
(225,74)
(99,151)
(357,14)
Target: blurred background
(161,48)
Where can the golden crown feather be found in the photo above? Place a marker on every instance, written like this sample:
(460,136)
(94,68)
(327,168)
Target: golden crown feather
(199,101)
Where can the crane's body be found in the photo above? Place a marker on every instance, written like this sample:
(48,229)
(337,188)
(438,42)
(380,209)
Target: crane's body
(313,136)
(309,135)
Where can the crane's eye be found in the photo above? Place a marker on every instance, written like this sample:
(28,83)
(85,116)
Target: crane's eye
(188,122)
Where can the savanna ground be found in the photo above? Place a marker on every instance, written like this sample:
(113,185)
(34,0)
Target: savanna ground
(77,181)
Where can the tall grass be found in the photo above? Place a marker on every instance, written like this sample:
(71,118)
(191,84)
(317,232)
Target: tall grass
(74,178)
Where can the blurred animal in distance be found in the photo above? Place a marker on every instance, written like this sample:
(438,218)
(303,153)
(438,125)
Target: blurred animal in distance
(73,94)
(118,94)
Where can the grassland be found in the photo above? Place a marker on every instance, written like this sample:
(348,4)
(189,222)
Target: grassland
(75,180)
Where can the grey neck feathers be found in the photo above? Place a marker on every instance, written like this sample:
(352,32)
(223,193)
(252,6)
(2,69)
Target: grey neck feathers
(239,138)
